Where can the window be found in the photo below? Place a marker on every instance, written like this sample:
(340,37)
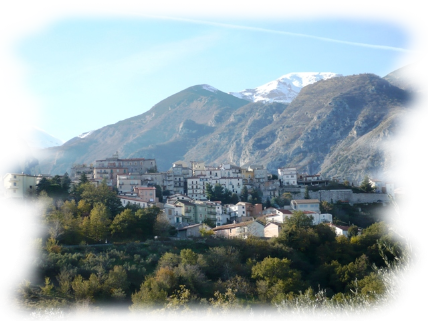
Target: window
(14,184)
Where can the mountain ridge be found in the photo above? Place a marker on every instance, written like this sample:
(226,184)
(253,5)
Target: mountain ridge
(37,138)
(326,129)
(412,77)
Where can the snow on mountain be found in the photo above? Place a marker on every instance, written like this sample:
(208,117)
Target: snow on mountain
(283,89)
(85,134)
(38,139)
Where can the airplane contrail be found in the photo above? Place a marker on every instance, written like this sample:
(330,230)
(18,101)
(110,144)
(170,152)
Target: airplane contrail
(224,25)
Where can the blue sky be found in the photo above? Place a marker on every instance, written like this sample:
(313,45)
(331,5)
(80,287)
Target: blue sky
(91,72)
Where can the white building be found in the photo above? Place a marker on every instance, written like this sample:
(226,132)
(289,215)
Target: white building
(281,216)
(340,230)
(173,214)
(241,230)
(196,187)
(306,205)
(178,197)
(125,200)
(19,185)
(287,175)
(236,211)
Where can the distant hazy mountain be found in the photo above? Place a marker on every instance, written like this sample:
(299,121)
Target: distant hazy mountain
(15,155)
(37,138)
(413,77)
(283,89)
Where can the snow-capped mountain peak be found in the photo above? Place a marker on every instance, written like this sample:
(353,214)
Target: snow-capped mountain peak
(285,88)
(36,137)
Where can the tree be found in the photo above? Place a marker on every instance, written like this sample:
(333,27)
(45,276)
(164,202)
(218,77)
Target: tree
(401,293)
(272,269)
(234,198)
(162,226)
(306,193)
(366,186)
(101,194)
(65,183)
(275,278)
(83,179)
(123,224)
(188,257)
(45,204)
(151,294)
(56,225)
(255,196)
(299,219)
(326,207)
(226,301)
(218,192)
(209,191)
(146,219)
(244,194)
(159,193)
(176,308)
(352,231)
(99,222)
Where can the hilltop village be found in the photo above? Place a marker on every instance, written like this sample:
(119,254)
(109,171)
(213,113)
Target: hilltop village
(231,201)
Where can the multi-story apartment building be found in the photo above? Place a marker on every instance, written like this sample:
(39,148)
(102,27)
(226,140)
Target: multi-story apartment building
(127,183)
(147,194)
(19,185)
(78,169)
(176,178)
(227,175)
(287,175)
(197,211)
(260,173)
(111,167)
(196,187)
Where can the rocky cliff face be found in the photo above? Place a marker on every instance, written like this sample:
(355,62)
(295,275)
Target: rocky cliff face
(15,155)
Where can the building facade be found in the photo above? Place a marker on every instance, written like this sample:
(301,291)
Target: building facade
(19,185)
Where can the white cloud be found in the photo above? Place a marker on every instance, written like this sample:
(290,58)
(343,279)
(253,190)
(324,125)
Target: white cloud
(225,25)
